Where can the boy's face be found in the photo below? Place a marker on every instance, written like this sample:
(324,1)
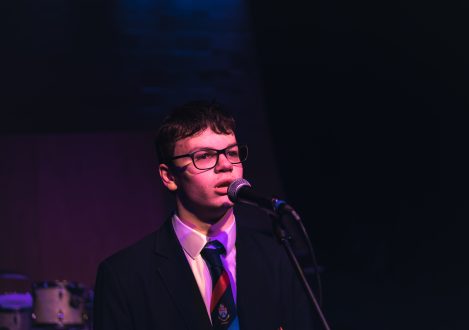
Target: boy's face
(204,192)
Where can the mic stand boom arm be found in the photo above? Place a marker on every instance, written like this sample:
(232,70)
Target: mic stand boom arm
(284,238)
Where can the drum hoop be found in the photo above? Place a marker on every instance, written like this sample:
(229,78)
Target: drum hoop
(45,284)
(55,284)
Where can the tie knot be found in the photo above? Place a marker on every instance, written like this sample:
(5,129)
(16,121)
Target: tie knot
(215,245)
(211,253)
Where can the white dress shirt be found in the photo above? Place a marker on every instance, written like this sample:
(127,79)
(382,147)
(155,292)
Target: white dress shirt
(193,242)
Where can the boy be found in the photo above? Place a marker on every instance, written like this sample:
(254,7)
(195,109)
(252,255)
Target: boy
(201,269)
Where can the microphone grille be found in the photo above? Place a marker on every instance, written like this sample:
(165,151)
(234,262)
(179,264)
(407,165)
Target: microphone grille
(234,188)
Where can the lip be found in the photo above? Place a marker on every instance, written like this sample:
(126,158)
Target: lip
(224,183)
(222,191)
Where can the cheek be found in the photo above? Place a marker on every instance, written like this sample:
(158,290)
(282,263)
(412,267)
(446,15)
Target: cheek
(238,170)
(197,185)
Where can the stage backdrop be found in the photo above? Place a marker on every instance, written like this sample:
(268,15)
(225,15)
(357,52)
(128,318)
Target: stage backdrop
(68,200)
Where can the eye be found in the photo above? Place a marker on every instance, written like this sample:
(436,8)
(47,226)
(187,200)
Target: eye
(204,155)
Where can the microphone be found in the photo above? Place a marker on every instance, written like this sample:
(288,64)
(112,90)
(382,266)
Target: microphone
(240,191)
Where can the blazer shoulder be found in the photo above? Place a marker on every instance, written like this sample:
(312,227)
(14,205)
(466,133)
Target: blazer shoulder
(137,252)
(259,240)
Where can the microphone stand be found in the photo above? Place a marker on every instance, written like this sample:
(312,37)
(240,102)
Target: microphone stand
(284,238)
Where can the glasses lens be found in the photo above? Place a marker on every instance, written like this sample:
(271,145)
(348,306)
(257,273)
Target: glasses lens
(237,154)
(205,159)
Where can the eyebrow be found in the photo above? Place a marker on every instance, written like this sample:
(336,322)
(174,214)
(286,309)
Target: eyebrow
(208,148)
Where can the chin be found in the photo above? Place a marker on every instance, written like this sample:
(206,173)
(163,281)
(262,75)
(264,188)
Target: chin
(226,202)
(223,207)
(227,205)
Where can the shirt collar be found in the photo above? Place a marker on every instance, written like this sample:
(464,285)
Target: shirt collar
(193,241)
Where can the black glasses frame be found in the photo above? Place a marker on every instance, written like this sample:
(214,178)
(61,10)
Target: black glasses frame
(221,151)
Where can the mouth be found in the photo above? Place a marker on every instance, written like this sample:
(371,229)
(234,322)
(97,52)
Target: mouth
(222,186)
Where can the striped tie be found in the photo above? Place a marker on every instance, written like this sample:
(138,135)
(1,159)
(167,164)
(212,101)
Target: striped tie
(222,305)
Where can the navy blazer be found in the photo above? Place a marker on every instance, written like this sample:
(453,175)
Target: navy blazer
(150,285)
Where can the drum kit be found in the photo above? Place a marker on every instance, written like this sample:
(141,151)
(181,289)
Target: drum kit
(50,304)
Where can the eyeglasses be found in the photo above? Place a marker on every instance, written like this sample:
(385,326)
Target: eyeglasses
(206,158)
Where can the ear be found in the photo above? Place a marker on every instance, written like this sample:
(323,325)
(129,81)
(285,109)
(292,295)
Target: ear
(167,177)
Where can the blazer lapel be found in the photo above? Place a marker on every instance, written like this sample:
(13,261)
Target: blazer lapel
(178,277)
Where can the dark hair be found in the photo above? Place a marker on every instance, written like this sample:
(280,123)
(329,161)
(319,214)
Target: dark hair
(190,119)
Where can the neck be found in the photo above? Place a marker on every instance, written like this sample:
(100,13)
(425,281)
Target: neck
(207,226)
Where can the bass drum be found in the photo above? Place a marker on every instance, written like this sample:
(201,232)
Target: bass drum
(15,311)
(59,304)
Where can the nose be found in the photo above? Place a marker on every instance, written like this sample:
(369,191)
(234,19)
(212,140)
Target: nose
(223,164)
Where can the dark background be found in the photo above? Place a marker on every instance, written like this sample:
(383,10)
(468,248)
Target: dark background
(368,104)
(364,106)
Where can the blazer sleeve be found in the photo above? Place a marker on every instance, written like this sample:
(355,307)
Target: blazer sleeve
(110,309)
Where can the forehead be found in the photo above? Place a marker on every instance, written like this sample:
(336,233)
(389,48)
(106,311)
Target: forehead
(204,139)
